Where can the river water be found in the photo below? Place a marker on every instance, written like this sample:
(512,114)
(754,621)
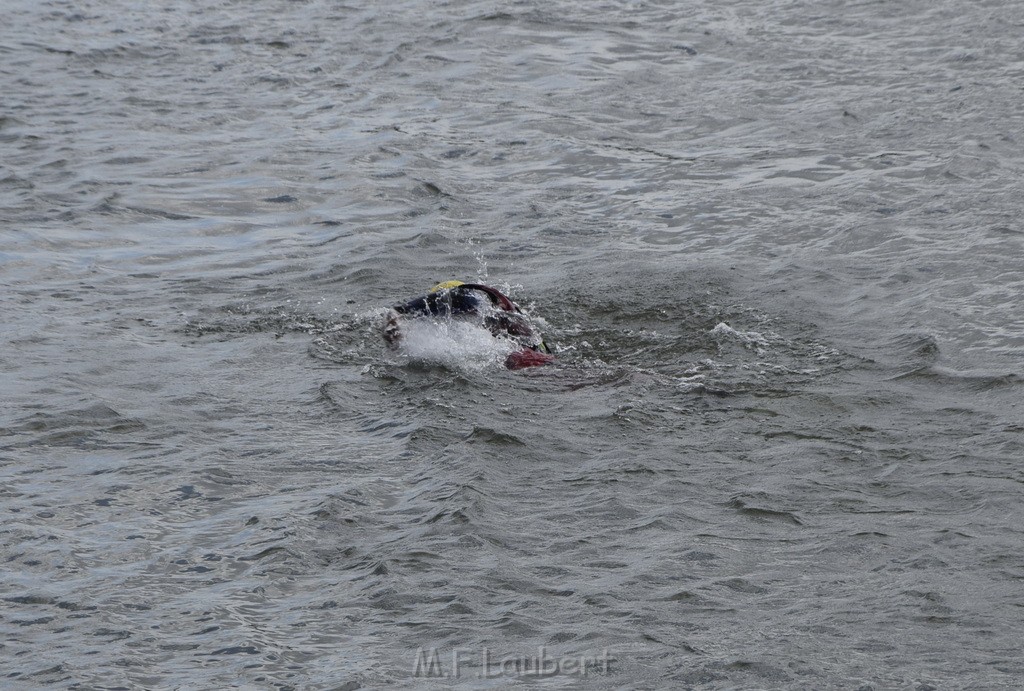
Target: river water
(776,245)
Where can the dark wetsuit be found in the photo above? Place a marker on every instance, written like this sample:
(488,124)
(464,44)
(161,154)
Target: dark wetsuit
(502,316)
(468,298)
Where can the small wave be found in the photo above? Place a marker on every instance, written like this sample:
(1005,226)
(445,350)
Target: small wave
(748,339)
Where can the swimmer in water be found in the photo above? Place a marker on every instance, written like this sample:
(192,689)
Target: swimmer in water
(473,301)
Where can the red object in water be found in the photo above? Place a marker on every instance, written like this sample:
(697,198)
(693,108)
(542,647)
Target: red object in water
(528,358)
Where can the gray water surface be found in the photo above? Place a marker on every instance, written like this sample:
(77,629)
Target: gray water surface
(776,244)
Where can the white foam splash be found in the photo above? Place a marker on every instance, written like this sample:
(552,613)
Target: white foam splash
(452,343)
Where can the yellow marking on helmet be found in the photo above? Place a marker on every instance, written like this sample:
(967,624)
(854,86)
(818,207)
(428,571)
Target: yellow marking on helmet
(447,285)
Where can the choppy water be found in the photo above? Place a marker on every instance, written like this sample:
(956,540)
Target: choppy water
(776,243)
